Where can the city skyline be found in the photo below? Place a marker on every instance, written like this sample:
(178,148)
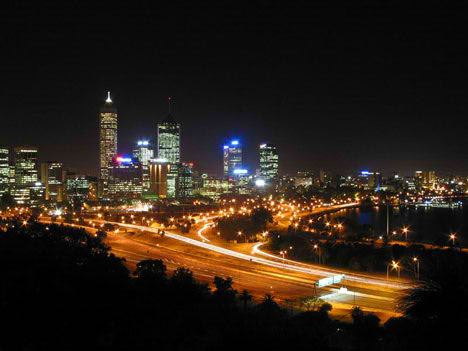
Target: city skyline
(334,89)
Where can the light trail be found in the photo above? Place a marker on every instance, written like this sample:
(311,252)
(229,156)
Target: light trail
(205,227)
(307,270)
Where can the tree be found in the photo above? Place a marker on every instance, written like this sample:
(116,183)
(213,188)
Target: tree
(365,328)
(312,303)
(185,288)
(245,297)
(101,234)
(224,292)
(151,270)
(438,302)
(269,308)
(325,308)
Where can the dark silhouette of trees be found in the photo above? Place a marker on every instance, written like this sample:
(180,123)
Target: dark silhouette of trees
(224,293)
(245,297)
(61,288)
(438,303)
(248,225)
(366,329)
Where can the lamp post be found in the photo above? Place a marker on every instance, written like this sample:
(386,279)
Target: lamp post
(405,231)
(283,252)
(453,237)
(394,266)
(245,236)
(319,253)
(416,262)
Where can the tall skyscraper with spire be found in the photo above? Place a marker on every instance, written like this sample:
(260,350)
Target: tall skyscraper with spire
(168,146)
(107,137)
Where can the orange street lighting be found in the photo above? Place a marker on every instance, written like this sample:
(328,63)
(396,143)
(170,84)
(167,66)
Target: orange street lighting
(283,253)
(453,237)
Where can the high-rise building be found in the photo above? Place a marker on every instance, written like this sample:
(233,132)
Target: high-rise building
(325,177)
(52,177)
(80,187)
(26,175)
(125,178)
(168,141)
(144,153)
(4,170)
(168,137)
(107,137)
(184,187)
(425,177)
(371,180)
(158,171)
(269,161)
(232,158)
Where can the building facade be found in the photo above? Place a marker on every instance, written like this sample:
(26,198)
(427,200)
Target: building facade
(184,186)
(52,177)
(269,161)
(168,142)
(144,154)
(125,178)
(232,158)
(107,136)
(158,171)
(4,170)
(26,188)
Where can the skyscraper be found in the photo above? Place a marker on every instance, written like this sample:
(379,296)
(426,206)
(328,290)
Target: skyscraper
(4,169)
(158,171)
(27,186)
(269,161)
(107,136)
(232,158)
(168,137)
(52,177)
(125,178)
(144,153)
(185,180)
(168,141)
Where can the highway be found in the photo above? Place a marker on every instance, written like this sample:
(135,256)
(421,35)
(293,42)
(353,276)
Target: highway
(287,282)
(254,270)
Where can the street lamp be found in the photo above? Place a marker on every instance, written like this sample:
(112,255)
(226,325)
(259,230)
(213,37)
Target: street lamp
(416,262)
(394,266)
(245,236)
(283,253)
(319,253)
(405,231)
(453,237)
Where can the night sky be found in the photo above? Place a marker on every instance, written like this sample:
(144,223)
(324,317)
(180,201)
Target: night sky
(360,85)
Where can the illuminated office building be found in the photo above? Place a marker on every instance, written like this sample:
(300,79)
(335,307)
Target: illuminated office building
(232,158)
(168,138)
(80,187)
(168,142)
(26,175)
(4,170)
(213,187)
(52,176)
(184,186)
(269,161)
(107,136)
(158,171)
(125,178)
(370,180)
(144,153)
(426,178)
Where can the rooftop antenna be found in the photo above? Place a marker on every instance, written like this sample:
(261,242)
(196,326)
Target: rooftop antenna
(169,99)
(108,100)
